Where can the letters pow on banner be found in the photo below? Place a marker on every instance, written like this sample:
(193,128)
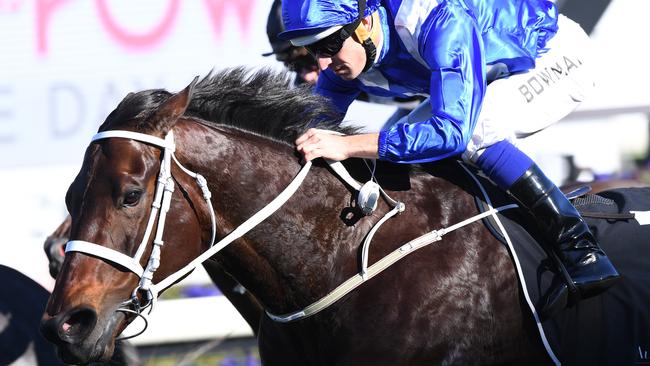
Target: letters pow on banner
(67,63)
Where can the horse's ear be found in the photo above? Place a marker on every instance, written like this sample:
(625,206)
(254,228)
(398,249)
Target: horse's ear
(173,108)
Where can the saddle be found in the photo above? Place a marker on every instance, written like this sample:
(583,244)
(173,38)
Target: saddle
(614,327)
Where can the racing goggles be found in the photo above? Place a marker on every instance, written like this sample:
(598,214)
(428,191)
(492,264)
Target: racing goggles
(332,44)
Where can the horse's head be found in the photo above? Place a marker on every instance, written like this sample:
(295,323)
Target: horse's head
(99,289)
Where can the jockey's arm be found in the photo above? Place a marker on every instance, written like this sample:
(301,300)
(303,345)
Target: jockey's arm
(453,51)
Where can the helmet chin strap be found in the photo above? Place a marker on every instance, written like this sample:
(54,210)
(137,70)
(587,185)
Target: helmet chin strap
(368,40)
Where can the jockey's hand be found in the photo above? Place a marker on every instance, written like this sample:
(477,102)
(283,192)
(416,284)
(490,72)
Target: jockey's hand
(319,144)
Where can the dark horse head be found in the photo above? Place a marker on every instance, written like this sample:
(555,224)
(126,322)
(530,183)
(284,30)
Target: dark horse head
(455,302)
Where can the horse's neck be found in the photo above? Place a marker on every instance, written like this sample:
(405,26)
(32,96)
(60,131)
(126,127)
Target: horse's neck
(246,172)
(306,248)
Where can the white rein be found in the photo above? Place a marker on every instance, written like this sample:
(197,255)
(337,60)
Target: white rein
(160,207)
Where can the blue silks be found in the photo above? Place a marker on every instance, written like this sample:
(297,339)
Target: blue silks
(443,51)
(503,163)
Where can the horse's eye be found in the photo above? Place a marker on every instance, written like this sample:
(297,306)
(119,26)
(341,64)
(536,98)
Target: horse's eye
(131,198)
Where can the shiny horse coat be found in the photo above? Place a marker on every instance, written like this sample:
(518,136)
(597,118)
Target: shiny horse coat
(454,302)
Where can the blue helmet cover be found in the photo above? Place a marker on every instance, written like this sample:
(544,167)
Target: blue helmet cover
(308,17)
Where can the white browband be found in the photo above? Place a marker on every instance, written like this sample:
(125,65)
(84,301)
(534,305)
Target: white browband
(142,137)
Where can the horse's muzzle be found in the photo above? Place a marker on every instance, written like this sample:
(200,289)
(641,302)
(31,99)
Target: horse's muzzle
(70,331)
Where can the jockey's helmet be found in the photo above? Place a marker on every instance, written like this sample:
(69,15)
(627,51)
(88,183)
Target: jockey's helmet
(323,25)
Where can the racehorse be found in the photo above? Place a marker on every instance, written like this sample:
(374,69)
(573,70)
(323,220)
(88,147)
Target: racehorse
(456,301)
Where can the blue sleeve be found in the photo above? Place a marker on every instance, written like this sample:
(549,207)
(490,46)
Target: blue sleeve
(451,45)
(342,93)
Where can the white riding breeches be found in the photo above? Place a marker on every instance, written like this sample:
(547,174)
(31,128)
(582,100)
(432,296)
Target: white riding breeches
(522,104)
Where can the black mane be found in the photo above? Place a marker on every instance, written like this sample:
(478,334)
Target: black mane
(262,101)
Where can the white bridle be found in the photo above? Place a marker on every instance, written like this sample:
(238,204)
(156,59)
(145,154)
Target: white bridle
(159,208)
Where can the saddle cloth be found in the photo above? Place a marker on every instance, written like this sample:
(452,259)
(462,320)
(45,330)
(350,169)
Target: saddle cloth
(612,328)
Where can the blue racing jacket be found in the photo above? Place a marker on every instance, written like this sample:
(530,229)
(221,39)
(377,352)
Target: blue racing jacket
(446,50)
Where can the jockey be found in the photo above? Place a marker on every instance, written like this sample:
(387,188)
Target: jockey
(296,59)
(493,71)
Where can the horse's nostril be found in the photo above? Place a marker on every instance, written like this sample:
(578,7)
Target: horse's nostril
(78,325)
(70,327)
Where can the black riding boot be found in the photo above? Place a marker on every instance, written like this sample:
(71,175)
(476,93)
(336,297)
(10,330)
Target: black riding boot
(568,239)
